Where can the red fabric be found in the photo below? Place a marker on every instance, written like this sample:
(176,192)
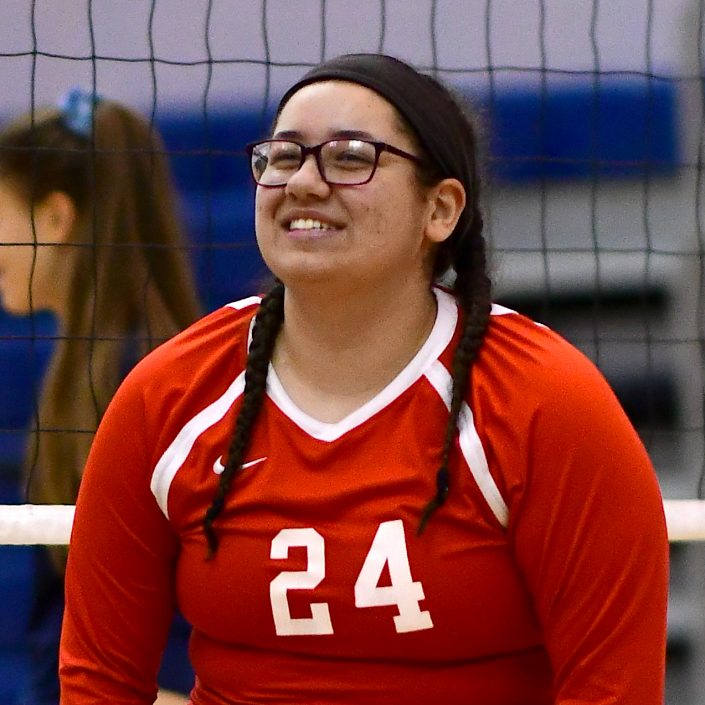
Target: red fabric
(565,605)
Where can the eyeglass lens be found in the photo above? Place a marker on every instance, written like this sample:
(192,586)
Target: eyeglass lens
(341,161)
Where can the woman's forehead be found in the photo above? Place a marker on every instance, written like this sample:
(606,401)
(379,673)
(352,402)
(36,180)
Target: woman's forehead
(338,106)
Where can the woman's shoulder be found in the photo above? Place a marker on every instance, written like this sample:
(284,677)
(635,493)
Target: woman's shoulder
(541,407)
(528,360)
(174,383)
(217,340)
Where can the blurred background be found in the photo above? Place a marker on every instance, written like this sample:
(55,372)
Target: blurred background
(592,114)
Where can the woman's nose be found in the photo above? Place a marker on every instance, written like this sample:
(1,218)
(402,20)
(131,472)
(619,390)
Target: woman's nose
(308,179)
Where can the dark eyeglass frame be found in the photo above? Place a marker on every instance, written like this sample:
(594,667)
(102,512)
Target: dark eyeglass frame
(316,151)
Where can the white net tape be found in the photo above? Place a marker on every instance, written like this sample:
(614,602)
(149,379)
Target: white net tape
(26,524)
(23,524)
(685,519)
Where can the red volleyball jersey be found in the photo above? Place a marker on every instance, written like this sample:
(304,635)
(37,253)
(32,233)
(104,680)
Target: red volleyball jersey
(542,579)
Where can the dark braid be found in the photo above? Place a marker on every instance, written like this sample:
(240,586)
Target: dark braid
(264,334)
(465,252)
(472,287)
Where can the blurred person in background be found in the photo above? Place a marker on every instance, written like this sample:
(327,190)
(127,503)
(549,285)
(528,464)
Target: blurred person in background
(89,230)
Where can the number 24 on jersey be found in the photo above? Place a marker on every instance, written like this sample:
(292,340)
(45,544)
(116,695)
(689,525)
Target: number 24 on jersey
(388,548)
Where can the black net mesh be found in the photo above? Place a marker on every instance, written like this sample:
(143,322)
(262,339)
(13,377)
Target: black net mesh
(593,126)
(592,118)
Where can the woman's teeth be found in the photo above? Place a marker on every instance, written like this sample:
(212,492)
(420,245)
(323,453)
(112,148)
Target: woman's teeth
(309,224)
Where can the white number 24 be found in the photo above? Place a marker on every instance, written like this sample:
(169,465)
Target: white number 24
(388,548)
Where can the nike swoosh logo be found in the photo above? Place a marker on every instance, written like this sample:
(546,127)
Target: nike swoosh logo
(218,466)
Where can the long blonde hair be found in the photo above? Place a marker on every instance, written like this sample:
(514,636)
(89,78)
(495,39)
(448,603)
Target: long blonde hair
(130,281)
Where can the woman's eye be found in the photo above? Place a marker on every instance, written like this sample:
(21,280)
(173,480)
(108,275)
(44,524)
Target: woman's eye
(353,156)
(282,158)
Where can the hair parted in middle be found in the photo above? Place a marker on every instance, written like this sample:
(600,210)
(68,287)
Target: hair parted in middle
(444,131)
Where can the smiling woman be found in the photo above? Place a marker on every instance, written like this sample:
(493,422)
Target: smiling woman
(423,495)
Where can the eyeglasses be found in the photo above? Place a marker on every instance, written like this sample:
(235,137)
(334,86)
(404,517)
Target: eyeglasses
(348,162)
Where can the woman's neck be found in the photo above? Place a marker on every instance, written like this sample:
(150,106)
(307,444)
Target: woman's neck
(336,352)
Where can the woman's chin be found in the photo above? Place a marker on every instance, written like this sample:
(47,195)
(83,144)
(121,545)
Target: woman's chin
(306,269)
(18,305)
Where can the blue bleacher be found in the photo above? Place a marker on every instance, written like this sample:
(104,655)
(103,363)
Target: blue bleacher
(213,180)
(25,345)
(614,128)
(16,570)
(226,260)
(617,128)
(622,129)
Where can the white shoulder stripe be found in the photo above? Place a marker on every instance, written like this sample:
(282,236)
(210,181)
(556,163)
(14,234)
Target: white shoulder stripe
(244,303)
(440,380)
(474,453)
(470,444)
(174,456)
(499,310)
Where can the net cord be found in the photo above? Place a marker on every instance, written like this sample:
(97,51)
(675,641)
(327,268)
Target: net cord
(50,525)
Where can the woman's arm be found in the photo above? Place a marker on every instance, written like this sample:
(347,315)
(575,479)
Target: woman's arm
(590,537)
(119,579)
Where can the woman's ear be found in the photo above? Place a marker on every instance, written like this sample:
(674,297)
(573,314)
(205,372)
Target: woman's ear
(55,217)
(447,200)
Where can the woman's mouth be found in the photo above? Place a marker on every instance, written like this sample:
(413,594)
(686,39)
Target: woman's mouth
(311,229)
(309,224)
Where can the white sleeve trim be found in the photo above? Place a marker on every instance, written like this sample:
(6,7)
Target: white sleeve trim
(470,444)
(499,310)
(174,456)
(436,343)
(474,453)
(244,303)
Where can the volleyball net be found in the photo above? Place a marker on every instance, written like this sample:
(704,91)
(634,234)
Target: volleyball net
(50,525)
(593,116)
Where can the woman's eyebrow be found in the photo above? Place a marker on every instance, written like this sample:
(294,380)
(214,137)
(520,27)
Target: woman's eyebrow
(287,135)
(333,134)
(353,134)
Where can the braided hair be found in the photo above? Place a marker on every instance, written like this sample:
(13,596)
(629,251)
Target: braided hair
(465,253)
(264,334)
(473,292)
(445,135)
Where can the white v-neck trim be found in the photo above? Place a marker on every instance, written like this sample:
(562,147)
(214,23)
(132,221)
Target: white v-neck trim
(437,341)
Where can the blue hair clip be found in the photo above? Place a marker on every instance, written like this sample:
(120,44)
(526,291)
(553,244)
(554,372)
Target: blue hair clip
(77,108)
